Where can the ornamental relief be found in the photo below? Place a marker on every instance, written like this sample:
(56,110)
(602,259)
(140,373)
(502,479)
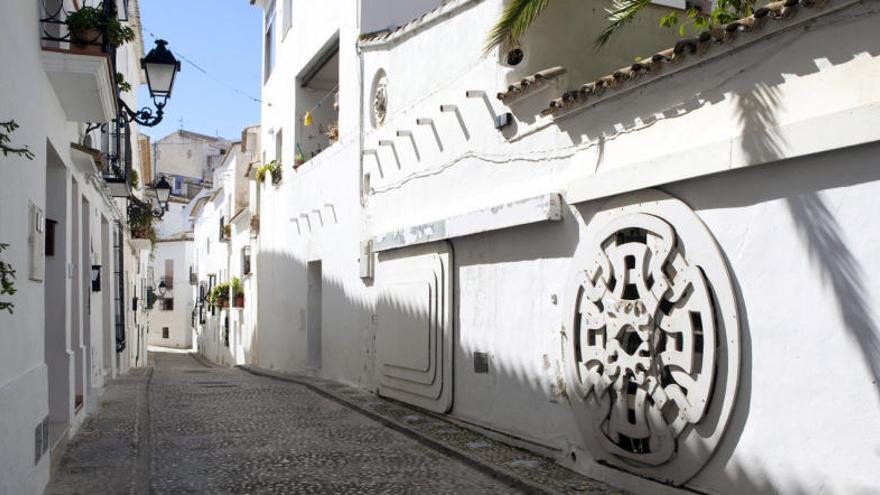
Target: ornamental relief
(652,344)
(379,103)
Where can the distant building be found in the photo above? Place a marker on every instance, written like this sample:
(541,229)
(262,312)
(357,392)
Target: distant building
(188,161)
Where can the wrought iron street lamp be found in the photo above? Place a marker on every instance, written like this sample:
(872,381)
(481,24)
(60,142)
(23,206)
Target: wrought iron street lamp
(163,288)
(96,278)
(160,192)
(161,68)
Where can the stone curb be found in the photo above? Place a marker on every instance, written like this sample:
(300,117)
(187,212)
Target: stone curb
(546,472)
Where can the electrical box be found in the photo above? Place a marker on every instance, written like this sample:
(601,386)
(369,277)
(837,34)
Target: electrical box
(36,242)
(366,259)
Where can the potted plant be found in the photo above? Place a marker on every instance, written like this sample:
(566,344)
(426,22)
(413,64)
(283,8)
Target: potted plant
(227,231)
(237,292)
(88,26)
(273,168)
(220,295)
(85,29)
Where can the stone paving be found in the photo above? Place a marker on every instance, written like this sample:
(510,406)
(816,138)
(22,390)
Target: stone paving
(188,428)
(110,452)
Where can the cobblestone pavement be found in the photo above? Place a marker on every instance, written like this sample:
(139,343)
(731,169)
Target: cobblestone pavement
(183,427)
(110,452)
(218,431)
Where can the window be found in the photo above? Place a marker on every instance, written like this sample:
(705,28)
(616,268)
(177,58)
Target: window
(317,88)
(287,16)
(50,237)
(164,332)
(246,260)
(168,304)
(189,154)
(269,43)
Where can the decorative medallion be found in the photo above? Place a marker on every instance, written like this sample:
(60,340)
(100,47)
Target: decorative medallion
(380,99)
(652,343)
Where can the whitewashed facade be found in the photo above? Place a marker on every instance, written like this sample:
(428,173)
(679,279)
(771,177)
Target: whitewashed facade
(68,333)
(187,160)
(660,273)
(224,233)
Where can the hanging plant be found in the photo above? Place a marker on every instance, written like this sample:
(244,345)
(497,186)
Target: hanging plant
(7,276)
(7,273)
(273,168)
(88,26)
(124,85)
(7,128)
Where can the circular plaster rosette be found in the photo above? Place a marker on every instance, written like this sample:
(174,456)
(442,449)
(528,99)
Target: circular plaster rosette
(379,99)
(652,347)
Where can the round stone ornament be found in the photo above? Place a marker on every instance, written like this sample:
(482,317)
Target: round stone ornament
(651,338)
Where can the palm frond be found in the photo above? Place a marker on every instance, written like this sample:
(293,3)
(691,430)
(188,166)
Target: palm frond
(516,18)
(620,13)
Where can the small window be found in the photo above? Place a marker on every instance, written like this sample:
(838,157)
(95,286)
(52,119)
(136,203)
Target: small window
(165,332)
(269,42)
(189,154)
(50,237)
(168,304)
(287,16)
(246,260)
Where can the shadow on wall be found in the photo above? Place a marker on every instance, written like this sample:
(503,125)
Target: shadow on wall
(753,83)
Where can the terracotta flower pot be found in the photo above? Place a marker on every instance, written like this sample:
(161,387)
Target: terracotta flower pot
(86,41)
(239,300)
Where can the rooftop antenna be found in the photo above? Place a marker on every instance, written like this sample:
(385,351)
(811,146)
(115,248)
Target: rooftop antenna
(180,123)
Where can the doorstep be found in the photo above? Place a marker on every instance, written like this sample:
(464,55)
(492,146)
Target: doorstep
(531,472)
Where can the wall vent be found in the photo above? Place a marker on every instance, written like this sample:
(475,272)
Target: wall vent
(481,362)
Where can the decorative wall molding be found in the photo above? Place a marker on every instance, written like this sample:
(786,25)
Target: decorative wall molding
(651,338)
(414,342)
(542,208)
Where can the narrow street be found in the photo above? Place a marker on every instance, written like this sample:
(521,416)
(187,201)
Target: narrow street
(181,427)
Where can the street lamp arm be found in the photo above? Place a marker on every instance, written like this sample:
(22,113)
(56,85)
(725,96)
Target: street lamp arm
(144,116)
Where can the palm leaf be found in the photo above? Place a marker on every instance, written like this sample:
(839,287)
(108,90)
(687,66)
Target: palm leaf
(620,13)
(516,18)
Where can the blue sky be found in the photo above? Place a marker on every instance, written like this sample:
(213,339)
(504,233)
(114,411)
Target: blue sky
(223,38)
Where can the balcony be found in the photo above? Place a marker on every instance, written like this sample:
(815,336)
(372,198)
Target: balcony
(81,70)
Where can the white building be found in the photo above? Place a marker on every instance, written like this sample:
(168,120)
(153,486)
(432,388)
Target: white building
(77,268)
(225,228)
(659,271)
(187,160)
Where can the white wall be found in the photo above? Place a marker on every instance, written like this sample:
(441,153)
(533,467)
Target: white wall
(791,228)
(179,320)
(28,97)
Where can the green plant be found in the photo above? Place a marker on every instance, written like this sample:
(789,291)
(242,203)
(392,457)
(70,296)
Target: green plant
(133,179)
(273,168)
(8,128)
(236,286)
(7,276)
(124,85)
(515,20)
(725,11)
(87,18)
(219,294)
(519,15)
(7,273)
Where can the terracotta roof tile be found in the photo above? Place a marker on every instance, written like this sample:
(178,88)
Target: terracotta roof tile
(530,83)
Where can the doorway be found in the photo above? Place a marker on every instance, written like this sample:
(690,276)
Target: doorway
(55,286)
(314,314)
